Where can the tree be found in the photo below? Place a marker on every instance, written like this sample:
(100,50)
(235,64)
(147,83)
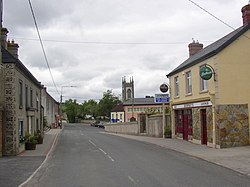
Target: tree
(107,103)
(89,108)
(72,109)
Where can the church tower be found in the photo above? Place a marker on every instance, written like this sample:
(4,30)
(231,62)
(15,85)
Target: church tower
(127,89)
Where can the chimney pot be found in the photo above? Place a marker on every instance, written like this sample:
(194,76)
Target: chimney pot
(12,47)
(194,47)
(246,14)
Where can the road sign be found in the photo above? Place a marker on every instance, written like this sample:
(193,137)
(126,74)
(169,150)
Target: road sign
(160,98)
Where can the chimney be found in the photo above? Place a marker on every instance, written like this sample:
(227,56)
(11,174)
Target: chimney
(12,47)
(194,47)
(246,14)
(4,33)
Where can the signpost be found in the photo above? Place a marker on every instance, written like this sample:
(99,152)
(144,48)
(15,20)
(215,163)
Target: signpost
(160,98)
(163,98)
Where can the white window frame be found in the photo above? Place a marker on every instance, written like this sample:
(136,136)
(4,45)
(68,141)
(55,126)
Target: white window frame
(188,82)
(176,86)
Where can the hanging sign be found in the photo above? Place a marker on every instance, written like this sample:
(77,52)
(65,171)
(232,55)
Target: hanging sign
(206,72)
(164,88)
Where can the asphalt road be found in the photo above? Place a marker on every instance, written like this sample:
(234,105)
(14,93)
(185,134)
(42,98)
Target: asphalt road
(84,156)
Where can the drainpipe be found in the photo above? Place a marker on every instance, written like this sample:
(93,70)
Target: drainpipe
(214,122)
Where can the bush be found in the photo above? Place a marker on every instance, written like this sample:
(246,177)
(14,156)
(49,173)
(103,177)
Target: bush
(30,139)
(38,136)
(167,132)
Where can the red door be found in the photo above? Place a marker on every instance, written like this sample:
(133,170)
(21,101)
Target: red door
(203,127)
(185,126)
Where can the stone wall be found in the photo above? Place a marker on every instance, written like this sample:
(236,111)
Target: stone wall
(1,131)
(9,129)
(153,126)
(123,128)
(232,122)
(196,117)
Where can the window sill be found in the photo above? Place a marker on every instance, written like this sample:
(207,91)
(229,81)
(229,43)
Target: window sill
(189,94)
(203,91)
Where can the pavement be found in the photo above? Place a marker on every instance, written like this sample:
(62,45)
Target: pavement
(48,142)
(42,150)
(237,159)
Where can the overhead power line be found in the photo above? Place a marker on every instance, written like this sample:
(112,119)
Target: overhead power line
(104,43)
(40,39)
(216,17)
(212,14)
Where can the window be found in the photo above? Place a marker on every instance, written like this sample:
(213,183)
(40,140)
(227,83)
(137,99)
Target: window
(188,83)
(176,86)
(129,92)
(26,96)
(20,94)
(203,83)
(37,100)
(189,114)
(20,129)
(31,97)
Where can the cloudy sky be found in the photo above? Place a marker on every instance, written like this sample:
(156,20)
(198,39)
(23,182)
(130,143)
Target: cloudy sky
(92,44)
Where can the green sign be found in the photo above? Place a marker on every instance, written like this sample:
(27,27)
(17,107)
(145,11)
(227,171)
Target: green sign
(206,73)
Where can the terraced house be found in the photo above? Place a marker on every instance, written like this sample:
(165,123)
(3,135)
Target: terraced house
(210,91)
(20,98)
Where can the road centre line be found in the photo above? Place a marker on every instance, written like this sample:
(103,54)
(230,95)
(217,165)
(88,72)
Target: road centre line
(131,179)
(102,151)
(92,143)
(110,158)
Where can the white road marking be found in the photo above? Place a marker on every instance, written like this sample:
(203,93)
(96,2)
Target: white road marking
(110,158)
(92,143)
(131,179)
(100,149)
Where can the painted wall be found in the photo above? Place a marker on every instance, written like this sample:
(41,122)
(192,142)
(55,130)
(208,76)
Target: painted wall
(233,72)
(138,109)
(117,115)
(197,94)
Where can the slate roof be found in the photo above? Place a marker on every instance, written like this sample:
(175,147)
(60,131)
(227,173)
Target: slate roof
(211,49)
(140,101)
(118,108)
(7,57)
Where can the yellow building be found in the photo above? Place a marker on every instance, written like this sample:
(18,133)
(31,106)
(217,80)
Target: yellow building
(216,111)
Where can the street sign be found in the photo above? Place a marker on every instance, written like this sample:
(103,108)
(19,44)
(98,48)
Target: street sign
(160,98)
(164,88)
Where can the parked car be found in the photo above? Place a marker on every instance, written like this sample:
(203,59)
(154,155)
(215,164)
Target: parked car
(101,125)
(95,123)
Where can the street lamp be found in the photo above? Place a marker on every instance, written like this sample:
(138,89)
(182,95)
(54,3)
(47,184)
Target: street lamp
(61,96)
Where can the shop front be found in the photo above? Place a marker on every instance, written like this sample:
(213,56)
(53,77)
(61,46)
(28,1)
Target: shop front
(194,122)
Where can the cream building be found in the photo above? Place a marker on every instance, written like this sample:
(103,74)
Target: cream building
(214,112)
